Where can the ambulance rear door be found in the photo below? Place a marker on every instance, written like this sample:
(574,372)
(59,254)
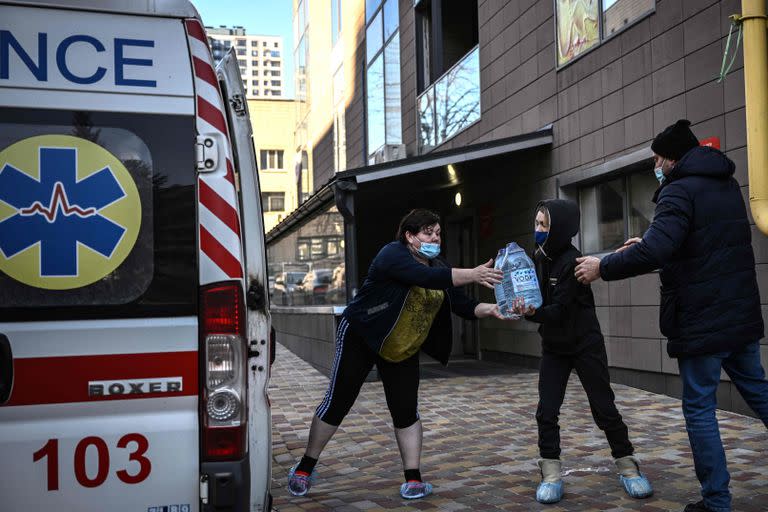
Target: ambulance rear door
(98,263)
(259,416)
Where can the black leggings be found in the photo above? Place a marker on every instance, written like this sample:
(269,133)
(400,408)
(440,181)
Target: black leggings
(352,364)
(591,365)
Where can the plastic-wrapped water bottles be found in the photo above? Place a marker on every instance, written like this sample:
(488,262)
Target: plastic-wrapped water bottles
(504,291)
(520,277)
(501,297)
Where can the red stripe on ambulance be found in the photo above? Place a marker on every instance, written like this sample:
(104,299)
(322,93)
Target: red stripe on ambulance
(67,379)
(219,241)
(219,207)
(219,254)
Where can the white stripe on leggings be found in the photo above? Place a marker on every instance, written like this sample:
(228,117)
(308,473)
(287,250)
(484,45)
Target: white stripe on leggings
(326,403)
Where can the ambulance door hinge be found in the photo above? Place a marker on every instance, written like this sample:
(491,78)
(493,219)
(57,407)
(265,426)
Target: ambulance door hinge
(238,104)
(206,153)
(204,489)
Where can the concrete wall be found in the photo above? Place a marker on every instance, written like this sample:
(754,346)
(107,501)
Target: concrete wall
(309,336)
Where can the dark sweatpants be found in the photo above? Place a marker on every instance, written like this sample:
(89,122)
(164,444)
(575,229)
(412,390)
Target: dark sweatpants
(591,365)
(351,365)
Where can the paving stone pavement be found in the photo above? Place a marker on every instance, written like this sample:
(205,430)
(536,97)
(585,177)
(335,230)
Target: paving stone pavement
(480,445)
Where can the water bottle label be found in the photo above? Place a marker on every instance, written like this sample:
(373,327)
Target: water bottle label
(524,280)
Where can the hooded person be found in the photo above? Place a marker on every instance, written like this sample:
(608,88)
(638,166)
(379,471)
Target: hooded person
(571,339)
(700,239)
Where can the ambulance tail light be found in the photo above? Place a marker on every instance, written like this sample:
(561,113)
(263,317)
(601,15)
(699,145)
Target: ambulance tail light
(222,332)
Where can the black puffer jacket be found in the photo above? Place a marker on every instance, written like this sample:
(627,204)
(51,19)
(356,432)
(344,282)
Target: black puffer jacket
(701,239)
(567,315)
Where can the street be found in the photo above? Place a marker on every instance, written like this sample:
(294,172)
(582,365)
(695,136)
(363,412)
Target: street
(480,445)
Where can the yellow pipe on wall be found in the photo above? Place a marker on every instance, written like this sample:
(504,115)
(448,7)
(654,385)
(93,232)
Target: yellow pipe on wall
(756,97)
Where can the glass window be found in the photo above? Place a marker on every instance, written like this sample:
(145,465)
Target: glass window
(335,20)
(241,51)
(373,37)
(314,253)
(618,14)
(254,82)
(273,201)
(241,42)
(141,261)
(391,18)
(276,83)
(602,207)
(375,85)
(457,96)
(642,186)
(255,72)
(392,103)
(615,210)
(271,158)
(274,53)
(254,43)
(370,8)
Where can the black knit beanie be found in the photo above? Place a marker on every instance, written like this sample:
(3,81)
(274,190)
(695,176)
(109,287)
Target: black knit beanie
(675,141)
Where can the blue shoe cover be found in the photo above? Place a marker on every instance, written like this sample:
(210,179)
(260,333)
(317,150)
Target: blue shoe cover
(637,487)
(299,485)
(415,490)
(548,492)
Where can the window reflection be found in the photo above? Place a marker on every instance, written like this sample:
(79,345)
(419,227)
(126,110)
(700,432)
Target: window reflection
(375,86)
(392,103)
(451,104)
(306,267)
(373,37)
(615,210)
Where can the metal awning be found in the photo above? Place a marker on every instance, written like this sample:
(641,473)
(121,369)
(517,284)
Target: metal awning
(367,173)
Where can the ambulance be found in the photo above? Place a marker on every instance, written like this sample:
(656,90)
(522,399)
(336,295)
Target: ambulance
(134,320)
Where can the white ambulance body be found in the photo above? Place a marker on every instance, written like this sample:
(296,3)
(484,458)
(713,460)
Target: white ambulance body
(134,326)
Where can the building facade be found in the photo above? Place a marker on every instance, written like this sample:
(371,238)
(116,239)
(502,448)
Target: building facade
(260,58)
(273,122)
(481,108)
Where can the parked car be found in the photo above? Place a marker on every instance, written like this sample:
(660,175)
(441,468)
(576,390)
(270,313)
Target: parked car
(337,291)
(285,287)
(314,286)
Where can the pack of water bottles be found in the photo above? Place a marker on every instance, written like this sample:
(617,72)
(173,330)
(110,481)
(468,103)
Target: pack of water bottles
(519,279)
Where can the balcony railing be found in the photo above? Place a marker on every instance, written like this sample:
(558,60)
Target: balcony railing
(450,104)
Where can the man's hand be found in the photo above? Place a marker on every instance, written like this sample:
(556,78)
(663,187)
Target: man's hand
(588,269)
(628,243)
(519,307)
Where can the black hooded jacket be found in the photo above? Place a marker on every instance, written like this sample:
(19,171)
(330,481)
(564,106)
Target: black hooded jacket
(567,315)
(701,240)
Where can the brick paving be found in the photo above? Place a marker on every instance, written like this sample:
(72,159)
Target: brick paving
(480,445)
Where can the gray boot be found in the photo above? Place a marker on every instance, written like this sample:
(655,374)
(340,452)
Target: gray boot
(634,482)
(550,490)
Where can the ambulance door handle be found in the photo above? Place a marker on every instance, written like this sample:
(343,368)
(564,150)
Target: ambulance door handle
(6,369)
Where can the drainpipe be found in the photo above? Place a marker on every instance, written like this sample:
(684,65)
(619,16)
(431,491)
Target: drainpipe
(756,96)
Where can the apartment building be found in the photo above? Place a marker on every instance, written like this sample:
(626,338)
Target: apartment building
(273,122)
(260,58)
(480,108)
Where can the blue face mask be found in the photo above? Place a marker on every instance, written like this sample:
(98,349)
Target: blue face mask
(541,237)
(659,172)
(429,250)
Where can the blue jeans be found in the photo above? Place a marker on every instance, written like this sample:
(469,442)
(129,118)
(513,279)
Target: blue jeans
(701,376)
